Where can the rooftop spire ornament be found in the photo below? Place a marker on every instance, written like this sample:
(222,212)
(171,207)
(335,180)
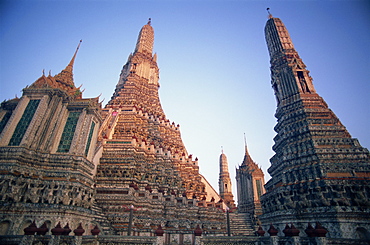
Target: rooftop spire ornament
(268,11)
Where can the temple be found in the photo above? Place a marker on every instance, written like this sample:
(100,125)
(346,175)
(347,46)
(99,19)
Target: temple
(123,169)
(143,162)
(47,144)
(122,175)
(319,173)
(224,182)
(250,186)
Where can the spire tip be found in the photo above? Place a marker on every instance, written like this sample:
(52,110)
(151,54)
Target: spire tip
(79,44)
(268,11)
(245,144)
(74,56)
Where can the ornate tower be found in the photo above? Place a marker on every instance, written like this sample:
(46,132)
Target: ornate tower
(250,186)
(47,144)
(319,173)
(143,161)
(224,182)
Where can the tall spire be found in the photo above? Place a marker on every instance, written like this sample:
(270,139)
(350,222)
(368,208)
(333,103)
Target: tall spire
(141,70)
(247,158)
(146,151)
(313,150)
(224,181)
(66,75)
(224,168)
(63,80)
(294,78)
(145,41)
(69,68)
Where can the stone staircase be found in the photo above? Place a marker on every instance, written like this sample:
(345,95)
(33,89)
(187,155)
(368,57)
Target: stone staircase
(241,224)
(101,219)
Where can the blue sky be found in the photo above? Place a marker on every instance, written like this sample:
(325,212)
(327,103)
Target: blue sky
(213,60)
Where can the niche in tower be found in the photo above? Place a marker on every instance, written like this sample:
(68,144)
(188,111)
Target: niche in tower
(302,82)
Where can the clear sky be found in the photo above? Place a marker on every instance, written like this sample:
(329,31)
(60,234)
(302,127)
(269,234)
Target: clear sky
(213,60)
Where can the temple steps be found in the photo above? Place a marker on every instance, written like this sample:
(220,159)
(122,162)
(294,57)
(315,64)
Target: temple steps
(101,218)
(241,224)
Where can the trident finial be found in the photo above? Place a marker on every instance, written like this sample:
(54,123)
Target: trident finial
(268,11)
